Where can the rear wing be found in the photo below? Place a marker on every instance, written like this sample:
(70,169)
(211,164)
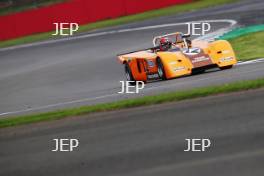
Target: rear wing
(151,49)
(150,52)
(142,54)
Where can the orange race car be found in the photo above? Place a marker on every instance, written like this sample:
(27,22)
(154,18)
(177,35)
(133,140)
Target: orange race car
(175,55)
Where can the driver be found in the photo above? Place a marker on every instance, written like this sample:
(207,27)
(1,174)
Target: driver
(165,44)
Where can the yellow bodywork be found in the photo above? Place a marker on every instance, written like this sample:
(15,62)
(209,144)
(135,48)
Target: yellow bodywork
(177,63)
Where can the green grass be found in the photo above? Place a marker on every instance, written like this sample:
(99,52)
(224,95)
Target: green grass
(143,101)
(249,46)
(197,4)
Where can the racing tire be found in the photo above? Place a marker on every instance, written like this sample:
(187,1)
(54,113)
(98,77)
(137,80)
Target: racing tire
(226,67)
(161,71)
(197,72)
(129,75)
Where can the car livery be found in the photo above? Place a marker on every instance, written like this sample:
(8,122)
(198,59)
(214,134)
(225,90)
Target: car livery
(185,57)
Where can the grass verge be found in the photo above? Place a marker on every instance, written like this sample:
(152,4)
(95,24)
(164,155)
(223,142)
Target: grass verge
(250,46)
(197,4)
(143,101)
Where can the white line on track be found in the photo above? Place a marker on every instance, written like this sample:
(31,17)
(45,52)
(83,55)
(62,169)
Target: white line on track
(251,61)
(232,24)
(116,94)
(199,80)
(58,104)
(220,31)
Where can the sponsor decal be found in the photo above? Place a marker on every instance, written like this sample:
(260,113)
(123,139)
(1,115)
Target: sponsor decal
(226,51)
(178,68)
(153,76)
(200,59)
(192,51)
(172,63)
(226,59)
(150,63)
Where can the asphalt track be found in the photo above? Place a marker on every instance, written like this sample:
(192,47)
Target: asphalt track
(85,71)
(146,141)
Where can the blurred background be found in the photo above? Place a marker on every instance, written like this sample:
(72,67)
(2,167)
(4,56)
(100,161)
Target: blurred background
(8,6)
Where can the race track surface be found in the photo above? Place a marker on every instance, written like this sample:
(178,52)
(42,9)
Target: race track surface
(85,71)
(146,141)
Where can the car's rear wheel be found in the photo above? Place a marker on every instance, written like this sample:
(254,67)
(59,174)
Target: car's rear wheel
(161,71)
(129,75)
(197,71)
(226,67)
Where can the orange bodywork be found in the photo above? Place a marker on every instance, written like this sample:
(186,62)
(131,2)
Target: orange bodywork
(140,64)
(179,61)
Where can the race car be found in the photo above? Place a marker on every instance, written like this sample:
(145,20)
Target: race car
(175,55)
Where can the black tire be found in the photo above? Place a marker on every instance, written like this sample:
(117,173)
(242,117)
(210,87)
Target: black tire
(161,71)
(129,75)
(226,67)
(196,72)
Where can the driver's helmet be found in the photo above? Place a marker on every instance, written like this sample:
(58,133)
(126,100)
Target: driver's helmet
(165,44)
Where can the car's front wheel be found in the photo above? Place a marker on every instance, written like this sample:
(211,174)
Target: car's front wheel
(226,67)
(129,75)
(196,72)
(161,71)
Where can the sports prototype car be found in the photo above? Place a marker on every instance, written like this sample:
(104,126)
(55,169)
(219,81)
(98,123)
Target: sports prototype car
(175,55)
